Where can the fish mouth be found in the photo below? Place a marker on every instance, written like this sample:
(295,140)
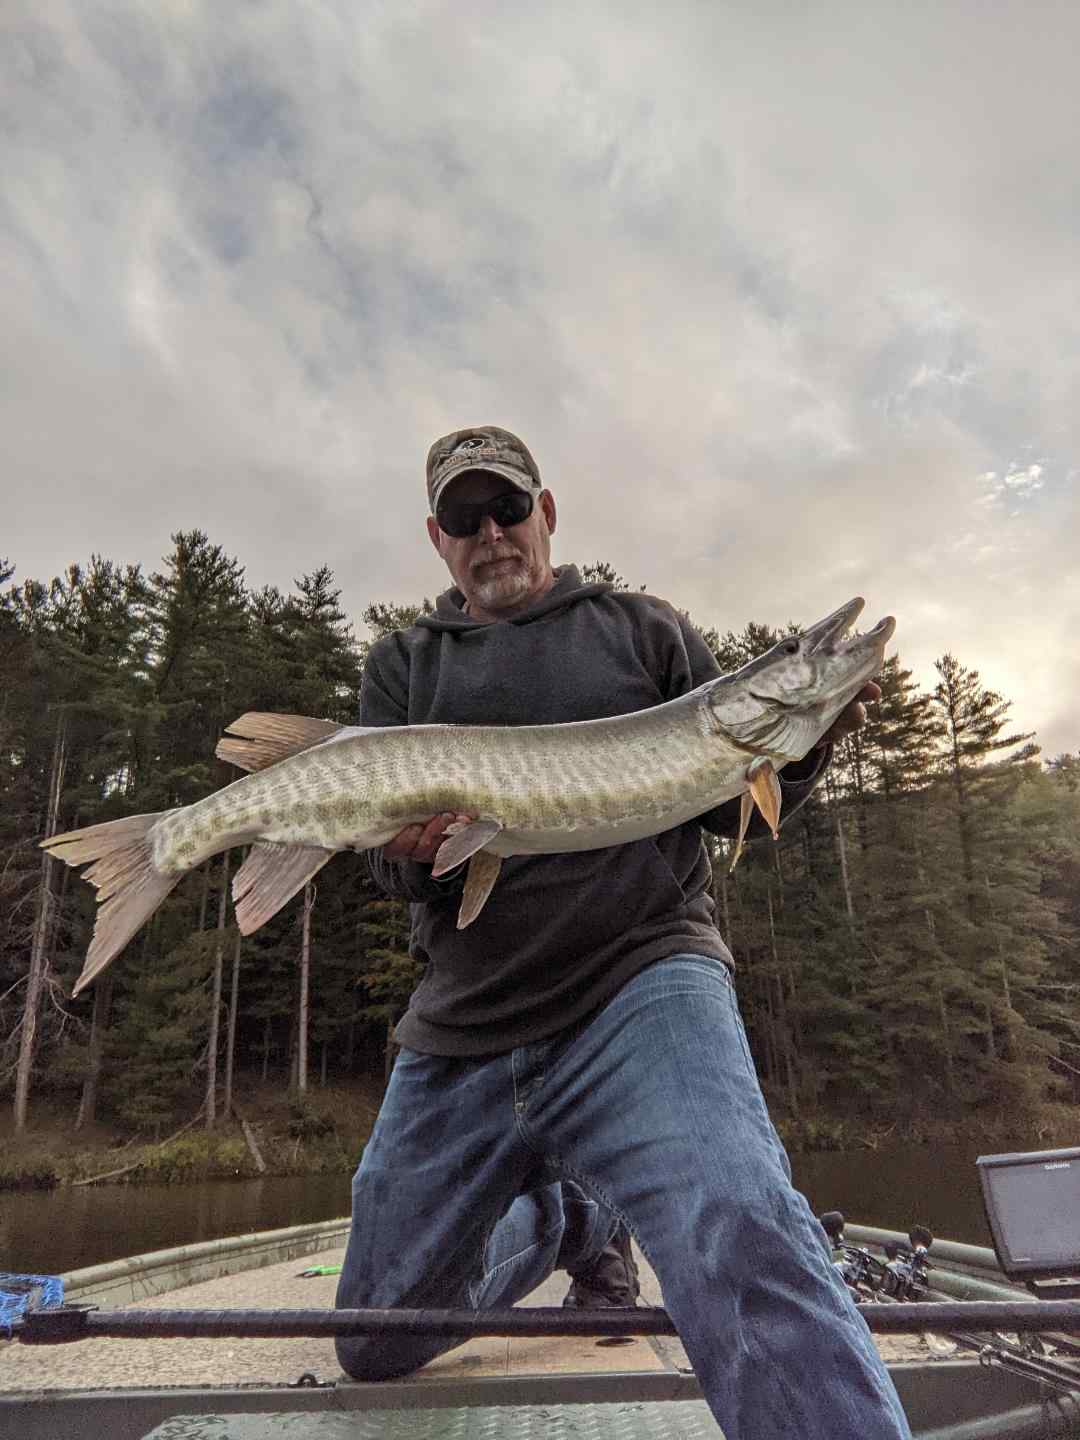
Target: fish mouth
(822,638)
(826,637)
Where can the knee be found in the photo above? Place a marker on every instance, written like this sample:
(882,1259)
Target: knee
(371,1359)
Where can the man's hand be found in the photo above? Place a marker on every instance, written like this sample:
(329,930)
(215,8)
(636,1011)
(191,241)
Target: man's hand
(420,842)
(853,715)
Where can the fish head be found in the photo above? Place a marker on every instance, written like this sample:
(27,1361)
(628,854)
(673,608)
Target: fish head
(782,702)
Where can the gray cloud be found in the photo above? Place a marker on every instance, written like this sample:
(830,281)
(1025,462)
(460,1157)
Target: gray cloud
(784,303)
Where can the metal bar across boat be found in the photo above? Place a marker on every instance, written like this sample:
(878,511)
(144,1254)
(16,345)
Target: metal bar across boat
(56,1326)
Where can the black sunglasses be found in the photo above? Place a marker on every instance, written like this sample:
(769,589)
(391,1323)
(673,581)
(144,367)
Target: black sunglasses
(461,519)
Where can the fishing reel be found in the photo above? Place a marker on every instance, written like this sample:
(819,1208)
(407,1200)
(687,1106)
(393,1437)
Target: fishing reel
(902,1275)
(860,1271)
(906,1270)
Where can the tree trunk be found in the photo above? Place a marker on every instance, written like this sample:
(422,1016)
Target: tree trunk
(35,981)
(963,819)
(98,1025)
(253,1145)
(230,1042)
(772,1052)
(350,1040)
(950,1073)
(215,1000)
(991,1048)
(943,1014)
(855,750)
(204,895)
(305,991)
(1007,1044)
(266,1048)
(721,874)
(810,855)
(785,1027)
(841,848)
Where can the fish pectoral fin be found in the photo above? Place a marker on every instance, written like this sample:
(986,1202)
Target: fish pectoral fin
(765,791)
(270,877)
(482,873)
(259,739)
(461,843)
(746,809)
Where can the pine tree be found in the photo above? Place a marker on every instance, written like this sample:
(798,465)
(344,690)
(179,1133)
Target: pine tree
(973,719)
(198,669)
(82,655)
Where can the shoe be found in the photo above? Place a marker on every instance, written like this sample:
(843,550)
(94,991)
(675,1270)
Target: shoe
(609,1280)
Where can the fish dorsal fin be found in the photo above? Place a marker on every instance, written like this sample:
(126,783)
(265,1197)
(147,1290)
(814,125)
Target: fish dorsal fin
(262,739)
(269,878)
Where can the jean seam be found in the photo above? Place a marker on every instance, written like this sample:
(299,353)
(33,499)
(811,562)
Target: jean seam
(489,1273)
(591,1187)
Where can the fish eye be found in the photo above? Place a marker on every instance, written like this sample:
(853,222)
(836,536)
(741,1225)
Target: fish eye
(791,647)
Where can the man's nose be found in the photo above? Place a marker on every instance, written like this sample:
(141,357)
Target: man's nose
(490,532)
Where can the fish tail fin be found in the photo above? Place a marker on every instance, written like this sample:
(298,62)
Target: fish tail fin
(129,886)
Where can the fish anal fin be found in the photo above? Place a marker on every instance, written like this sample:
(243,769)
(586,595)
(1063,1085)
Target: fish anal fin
(259,739)
(481,876)
(463,842)
(765,790)
(270,877)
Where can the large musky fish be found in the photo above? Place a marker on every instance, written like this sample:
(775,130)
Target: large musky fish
(319,787)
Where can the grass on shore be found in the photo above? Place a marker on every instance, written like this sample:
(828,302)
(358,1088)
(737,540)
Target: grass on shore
(1049,1125)
(323,1133)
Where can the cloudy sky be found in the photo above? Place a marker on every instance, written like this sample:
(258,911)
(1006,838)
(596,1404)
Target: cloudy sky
(785,298)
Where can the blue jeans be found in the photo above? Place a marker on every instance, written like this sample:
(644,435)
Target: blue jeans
(483,1176)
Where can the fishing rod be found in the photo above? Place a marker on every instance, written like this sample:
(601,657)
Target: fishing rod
(904,1276)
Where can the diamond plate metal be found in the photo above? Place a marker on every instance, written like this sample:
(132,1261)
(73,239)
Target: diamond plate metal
(673,1420)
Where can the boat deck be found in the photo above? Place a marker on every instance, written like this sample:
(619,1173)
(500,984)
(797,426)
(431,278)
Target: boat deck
(105,1363)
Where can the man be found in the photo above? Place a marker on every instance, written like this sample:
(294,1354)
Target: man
(575,1057)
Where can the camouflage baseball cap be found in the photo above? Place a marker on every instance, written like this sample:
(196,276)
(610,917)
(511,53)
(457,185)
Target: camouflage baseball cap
(485,447)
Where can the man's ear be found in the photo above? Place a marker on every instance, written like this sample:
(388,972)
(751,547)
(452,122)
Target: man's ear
(547,505)
(435,533)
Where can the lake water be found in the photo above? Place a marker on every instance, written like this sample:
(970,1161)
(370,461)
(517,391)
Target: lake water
(50,1232)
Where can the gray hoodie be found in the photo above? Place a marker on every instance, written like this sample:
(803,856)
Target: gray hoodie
(560,934)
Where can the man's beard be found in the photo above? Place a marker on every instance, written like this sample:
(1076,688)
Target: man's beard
(504,587)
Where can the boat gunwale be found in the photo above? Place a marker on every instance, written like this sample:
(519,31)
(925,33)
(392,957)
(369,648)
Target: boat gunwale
(138,1277)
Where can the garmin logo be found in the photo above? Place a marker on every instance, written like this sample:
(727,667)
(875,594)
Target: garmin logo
(1058,1165)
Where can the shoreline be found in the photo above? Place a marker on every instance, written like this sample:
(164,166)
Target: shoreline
(325,1135)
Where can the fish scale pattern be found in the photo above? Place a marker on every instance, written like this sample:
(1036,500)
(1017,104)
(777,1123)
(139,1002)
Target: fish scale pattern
(552,787)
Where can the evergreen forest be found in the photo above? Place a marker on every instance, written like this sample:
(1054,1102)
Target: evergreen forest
(909,949)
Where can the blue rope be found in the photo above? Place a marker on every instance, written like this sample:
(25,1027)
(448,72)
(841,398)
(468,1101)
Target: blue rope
(19,1293)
